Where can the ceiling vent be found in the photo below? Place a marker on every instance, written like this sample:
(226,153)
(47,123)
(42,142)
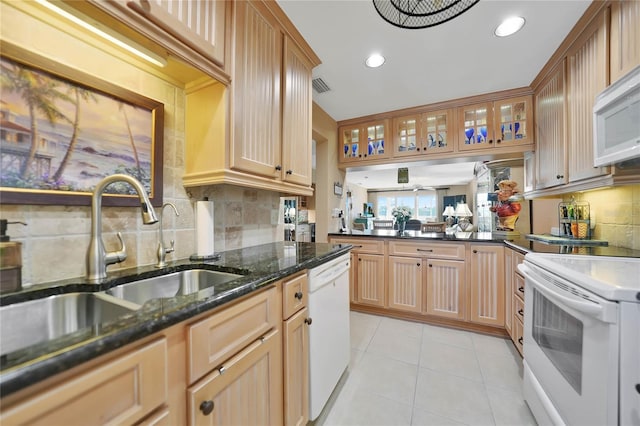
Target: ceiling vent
(319,85)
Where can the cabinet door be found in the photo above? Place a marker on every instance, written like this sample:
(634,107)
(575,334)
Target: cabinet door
(625,33)
(406,134)
(122,391)
(587,77)
(550,161)
(487,284)
(245,390)
(508,283)
(296,369)
(371,278)
(255,146)
(438,132)
(475,127)
(350,141)
(405,283)
(446,289)
(296,116)
(200,24)
(513,121)
(377,134)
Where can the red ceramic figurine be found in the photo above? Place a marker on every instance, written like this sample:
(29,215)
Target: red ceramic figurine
(508,206)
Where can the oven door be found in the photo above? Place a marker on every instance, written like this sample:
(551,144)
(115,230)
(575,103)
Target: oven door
(570,351)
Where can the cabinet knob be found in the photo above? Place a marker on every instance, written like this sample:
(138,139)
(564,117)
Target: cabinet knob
(417,264)
(499,140)
(289,172)
(308,321)
(490,140)
(207,407)
(520,312)
(520,340)
(559,176)
(278,167)
(298,295)
(431,265)
(475,251)
(520,289)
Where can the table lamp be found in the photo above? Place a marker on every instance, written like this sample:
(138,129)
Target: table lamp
(449,212)
(463,214)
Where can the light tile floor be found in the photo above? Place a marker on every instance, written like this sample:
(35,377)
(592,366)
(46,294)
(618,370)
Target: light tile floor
(407,373)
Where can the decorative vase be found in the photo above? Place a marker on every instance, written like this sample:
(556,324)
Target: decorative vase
(401,226)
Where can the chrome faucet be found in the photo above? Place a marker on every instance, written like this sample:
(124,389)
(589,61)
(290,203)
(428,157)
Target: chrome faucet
(162,250)
(97,257)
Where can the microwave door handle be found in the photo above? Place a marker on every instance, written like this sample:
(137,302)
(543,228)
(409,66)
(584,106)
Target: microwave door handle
(588,308)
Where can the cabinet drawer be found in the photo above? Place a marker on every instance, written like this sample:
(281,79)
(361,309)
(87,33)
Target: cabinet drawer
(430,250)
(248,390)
(216,338)
(294,292)
(518,334)
(518,285)
(363,245)
(518,308)
(122,391)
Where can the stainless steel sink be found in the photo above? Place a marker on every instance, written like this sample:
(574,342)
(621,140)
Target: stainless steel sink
(171,285)
(35,321)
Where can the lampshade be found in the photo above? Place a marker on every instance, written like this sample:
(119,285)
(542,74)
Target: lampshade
(415,14)
(462,210)
(449,211)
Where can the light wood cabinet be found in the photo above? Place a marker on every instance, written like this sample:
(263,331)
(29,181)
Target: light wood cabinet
(424,134)
(296,350)
(121,391)
(624,36)
(514,304)
(246,389)
(446,288)
(370,282)
(365,141)
(406,278)
(586,78)
(498,124)
(200,24)
(508,303)
(486,280)
(550,155)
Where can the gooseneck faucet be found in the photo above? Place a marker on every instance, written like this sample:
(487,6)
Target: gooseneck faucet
(162,249)
(97,257)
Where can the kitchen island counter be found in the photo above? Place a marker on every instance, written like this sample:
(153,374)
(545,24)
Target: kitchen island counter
(259,266)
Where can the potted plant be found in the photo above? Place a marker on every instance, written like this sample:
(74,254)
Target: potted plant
(401,214)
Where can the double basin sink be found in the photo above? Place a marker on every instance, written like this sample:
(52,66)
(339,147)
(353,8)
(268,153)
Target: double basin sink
(36,321)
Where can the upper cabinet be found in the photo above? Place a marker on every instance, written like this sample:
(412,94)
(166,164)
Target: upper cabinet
(624,36)
(364,141)
(198,23)
(256,132)
(423,134)
(502,123)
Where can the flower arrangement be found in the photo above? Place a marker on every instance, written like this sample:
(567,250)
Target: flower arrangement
(402,214)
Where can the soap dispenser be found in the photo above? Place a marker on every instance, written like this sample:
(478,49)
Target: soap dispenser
(10,260)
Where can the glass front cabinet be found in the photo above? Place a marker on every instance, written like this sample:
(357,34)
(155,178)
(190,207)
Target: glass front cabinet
(366,141)
(420,134)
(508,122)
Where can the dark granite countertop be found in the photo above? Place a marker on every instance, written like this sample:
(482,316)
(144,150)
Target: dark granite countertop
(423,236)
(526,245)
(259,266)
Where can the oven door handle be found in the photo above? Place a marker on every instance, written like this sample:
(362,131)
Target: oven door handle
(589,308)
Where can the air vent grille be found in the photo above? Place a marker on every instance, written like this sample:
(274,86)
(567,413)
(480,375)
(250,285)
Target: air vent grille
(319,85)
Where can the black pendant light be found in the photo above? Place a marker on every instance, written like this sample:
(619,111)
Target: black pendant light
(414,14)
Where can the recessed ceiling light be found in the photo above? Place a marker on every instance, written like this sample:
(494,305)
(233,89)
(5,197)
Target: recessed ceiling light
(375,60)
(509,26)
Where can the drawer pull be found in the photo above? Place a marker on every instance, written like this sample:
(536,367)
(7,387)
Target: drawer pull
(520,312)
(418,264)
(308,321)
(207,407)
(298,295)
(278,167)
(289,172)
(427,250)
(520,340)
(431,265)
(475,251)
(222,369)
(521,289)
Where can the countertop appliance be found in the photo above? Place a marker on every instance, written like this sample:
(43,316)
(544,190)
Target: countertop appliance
(616,128)
(582,339)
(329,336)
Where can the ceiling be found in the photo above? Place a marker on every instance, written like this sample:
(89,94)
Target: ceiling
(459,58)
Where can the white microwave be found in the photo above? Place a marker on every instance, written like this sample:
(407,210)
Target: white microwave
(616,121)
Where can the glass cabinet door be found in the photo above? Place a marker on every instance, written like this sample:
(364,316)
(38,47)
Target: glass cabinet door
(438,134)
(476,126)
(377,140)
(406,136)
(513,121)
(350,143)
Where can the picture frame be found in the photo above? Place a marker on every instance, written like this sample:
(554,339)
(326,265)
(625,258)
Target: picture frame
(337,188)
(85,129)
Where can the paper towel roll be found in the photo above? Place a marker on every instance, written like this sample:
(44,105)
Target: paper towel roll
(204,228)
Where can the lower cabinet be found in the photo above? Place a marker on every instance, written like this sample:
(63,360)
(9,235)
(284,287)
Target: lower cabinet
(486,280)
(515,296)
(406,279)
(246,389)
(121,391)
(370,282)
(296,369)
(446,288)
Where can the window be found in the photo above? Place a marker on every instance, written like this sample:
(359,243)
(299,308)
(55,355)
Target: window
(424,205)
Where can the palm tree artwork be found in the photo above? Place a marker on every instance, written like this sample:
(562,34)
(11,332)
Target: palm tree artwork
(59,135)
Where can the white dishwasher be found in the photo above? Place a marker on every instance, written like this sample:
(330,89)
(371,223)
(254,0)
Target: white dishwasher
(329,337)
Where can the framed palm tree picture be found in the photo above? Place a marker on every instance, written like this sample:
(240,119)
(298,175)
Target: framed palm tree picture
(62,131)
